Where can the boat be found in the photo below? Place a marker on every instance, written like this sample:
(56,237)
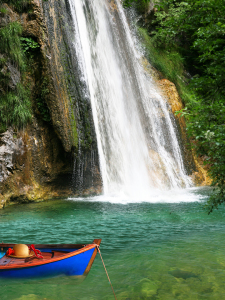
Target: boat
(52,260)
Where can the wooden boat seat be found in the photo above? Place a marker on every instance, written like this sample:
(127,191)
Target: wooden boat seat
(58,253)
(6,260)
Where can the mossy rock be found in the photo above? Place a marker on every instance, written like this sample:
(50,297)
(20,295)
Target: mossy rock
(146,288)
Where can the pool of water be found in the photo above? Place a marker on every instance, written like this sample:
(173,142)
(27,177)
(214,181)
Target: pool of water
(151,250)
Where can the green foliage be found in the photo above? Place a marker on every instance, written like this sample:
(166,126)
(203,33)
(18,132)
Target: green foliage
(41,100)
(169,63)
(2,61)
(129,3)
(4,75)
(196,30)
(3,10)
(206,123)
(166,35)
(15,104)
(19,5)
(10,43)
(140,5)
(15,108)
(28,44)
(43,109)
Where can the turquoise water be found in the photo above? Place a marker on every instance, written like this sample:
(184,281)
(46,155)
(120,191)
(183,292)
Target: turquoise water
(151,250)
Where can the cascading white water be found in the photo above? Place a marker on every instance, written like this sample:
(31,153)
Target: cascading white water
(137,143)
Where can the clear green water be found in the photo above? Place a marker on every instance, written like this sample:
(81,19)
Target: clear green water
(151,250)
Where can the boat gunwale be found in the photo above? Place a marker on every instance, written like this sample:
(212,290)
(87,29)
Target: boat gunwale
(64,256)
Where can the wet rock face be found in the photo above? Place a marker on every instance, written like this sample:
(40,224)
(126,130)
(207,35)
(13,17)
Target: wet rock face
(170,92)
(71,109)
(14,76)
(11,16)
(34,166)
(12,73)
(193,165)
(10,147)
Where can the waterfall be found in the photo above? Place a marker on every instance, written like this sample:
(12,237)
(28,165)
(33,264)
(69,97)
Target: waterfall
(136,133)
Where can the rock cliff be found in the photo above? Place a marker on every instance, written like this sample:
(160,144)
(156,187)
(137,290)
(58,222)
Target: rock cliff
(56,153)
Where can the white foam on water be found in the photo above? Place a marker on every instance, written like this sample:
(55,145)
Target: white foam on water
(172,196)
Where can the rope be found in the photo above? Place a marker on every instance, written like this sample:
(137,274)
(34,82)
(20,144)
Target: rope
(97,246)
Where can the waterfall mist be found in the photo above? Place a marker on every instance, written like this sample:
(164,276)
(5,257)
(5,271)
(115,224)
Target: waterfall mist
(136,133)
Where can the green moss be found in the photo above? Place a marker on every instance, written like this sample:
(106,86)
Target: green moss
(69,81)
(169,63)
(84,124)
(74,127)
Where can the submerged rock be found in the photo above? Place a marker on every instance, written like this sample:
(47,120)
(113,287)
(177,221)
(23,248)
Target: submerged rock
(145,289)
(182,274)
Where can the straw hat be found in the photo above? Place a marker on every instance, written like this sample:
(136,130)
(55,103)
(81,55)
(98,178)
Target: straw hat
(21,251)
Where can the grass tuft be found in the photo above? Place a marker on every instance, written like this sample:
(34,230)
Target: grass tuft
(15,108)
(11,44)
(15,104)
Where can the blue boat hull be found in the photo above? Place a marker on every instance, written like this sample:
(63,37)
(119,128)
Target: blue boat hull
(64,261)
(72,266)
